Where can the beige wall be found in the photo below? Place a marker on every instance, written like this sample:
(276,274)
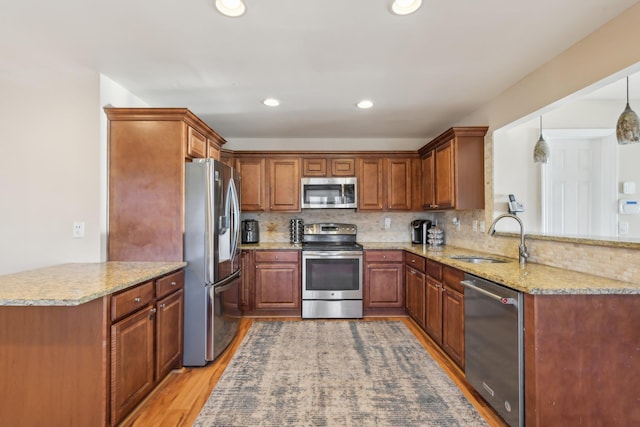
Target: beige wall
(49,166)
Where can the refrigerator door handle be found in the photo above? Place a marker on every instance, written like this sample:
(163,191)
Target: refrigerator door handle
(227,283)
(235,214)
(209,275)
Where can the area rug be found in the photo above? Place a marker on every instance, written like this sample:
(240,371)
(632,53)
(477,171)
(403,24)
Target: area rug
(335,373)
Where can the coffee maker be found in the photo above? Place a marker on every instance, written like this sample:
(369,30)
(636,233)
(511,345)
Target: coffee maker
(250,231)
(419,229)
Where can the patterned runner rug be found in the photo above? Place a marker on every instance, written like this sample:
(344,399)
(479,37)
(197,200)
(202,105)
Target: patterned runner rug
(335,373)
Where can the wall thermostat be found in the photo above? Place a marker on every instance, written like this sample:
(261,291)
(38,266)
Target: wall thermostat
(629,207)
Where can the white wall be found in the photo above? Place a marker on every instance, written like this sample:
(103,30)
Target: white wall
(49,166)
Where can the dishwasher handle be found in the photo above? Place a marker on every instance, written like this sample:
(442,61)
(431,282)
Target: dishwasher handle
(503,300)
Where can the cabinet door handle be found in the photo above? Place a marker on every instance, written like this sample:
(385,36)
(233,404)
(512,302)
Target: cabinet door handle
(163,305)
(152,313)
(137,299)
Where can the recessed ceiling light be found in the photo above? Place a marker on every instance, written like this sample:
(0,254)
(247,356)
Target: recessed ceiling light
(364,104)
(271,102)
(233,8)
(405,7)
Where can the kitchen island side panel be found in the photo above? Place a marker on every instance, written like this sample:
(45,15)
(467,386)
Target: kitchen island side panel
(582,360)
(53,365)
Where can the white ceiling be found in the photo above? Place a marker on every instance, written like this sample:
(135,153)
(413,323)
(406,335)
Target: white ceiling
(319,57)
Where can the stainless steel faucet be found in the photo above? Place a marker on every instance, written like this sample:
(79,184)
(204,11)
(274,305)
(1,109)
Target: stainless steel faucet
(522,249)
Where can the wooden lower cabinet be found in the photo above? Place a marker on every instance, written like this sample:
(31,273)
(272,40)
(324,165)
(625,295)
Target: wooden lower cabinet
(277,285)
(433,296)
(146,340)
(445,309)
(383,285)
(453,314)
(169,333)
(414,283)
(132,369)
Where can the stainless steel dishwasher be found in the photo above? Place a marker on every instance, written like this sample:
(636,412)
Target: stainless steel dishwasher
(493,332)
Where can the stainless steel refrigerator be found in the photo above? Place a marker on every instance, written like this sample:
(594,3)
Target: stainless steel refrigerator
(212,252)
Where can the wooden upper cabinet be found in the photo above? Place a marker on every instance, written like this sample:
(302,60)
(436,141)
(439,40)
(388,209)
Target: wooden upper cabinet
(147,148)
(445,185)
(428,180)
(316,167)
(453,169)
(343,167)
(370,184)
(196,144)
(253,183)
(326,167)
(387,183)
(284,189)
(399,190)
(213,150)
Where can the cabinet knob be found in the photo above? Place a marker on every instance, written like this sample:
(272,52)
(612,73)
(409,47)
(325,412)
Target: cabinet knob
(276,256)
(137,299)
(173,283)
(163,305)
(413,260)
(384,257)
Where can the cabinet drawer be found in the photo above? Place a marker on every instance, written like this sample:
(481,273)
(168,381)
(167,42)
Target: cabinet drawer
(276,256)
(131,300)
(415,261)
(434,269)
(383,256)
(452,278)
(169,284)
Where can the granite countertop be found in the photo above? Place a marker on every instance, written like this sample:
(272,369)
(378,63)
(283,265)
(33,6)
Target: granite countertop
(75,284)
(536,279)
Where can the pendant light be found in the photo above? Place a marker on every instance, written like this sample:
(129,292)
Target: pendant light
(628,129)
(541,151)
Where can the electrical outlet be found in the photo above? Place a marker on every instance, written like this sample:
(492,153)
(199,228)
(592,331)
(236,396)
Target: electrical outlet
(78,229)
(387,223)
(474,225)
(623,227)
(481,226)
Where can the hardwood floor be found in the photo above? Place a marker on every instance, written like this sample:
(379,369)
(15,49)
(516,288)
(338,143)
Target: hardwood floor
(177,401)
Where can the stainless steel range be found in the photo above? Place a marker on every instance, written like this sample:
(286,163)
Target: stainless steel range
(331,271)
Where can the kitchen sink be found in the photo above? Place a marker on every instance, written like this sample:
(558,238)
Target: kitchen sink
(477,259)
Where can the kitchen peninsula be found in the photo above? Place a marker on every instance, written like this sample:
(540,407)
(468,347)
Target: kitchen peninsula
(68,332)
(581,341)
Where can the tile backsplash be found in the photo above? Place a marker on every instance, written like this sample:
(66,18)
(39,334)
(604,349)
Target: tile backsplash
(274,227)
(612,262)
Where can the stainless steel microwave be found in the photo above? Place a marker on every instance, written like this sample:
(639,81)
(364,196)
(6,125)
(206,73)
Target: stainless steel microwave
(329,193)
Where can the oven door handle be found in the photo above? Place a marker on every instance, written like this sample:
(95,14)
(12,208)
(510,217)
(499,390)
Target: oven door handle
(503,300)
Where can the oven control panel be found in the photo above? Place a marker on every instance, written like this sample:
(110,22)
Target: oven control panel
(330,228)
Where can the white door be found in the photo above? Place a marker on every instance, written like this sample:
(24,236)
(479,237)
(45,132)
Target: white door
(579,193)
